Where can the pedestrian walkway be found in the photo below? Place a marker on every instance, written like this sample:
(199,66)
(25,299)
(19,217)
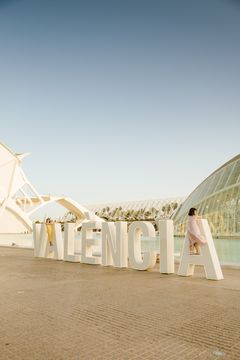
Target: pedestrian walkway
(52,310)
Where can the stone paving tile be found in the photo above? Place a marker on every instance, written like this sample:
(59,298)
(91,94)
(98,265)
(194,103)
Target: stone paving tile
(53,310)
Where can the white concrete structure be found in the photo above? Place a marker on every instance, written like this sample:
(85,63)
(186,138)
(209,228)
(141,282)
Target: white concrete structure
(117,246)
(19,199)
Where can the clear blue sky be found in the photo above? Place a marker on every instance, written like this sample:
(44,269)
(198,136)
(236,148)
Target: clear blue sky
(120,99)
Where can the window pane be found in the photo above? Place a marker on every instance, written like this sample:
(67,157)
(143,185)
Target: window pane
(235,174)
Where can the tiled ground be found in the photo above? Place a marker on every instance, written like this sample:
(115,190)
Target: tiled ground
(58,310)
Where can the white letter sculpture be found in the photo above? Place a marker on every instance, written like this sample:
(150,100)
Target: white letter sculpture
(114,244)
(136,259)
(69,243)
(166,246)
(87,244)
(208,257)
(42,246)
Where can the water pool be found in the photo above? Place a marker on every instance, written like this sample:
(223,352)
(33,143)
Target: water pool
(228,250)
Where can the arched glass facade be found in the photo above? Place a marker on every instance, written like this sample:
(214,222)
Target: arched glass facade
(217,199)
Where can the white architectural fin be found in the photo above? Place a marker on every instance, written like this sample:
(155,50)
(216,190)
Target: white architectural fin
(23,155)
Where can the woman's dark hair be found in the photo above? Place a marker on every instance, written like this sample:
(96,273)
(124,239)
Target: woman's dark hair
(191,211)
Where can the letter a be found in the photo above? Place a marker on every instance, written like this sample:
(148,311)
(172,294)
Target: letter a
(42,245)
(208,257)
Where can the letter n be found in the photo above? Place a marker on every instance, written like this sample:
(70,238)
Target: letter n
(114,244)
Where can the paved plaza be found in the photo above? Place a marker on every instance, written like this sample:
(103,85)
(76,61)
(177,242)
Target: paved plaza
(52,310)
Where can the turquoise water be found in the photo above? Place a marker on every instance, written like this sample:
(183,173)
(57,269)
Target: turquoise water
(228,250)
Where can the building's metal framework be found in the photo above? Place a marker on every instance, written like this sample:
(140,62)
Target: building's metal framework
(217,199)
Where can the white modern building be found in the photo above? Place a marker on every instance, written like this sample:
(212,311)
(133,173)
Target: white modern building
(147,205)
(149,210)
(19,199)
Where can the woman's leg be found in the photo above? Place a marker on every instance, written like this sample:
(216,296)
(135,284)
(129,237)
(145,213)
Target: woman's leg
(197,248)
(191,249)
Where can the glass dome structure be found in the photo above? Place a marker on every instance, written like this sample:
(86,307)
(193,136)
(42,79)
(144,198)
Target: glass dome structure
(217,199)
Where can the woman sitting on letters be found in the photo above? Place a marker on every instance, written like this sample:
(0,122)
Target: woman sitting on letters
(193,233)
